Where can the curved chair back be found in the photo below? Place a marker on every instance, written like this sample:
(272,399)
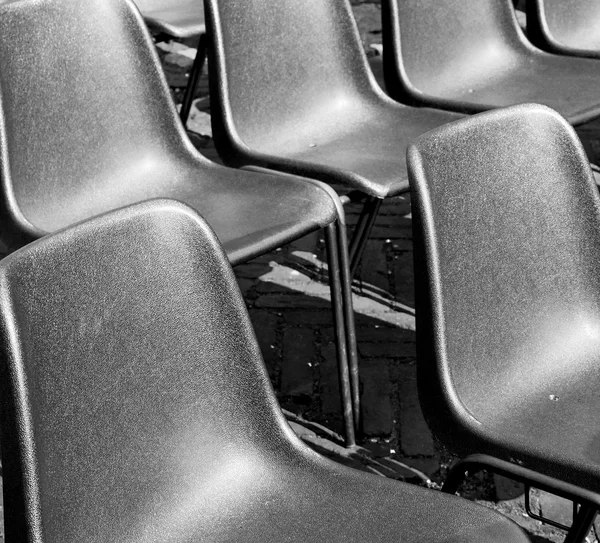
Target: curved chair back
(565,27)
(445,43)
(311,65)
(81,133)
(132,384)
(507,245)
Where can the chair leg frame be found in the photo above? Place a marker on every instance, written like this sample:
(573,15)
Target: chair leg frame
(362,231)
(350,326)
(589,502)
(344,330)
(196,71)
(340,284)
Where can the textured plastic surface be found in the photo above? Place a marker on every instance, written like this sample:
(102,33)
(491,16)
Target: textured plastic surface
(83,133)
(565,27)
(177,18)
(472,56)
(291,90)
(507,246)
(136,406)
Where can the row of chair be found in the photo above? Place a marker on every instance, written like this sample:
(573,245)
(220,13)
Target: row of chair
(328,120)
(291,89)
(135,403)
(136,406)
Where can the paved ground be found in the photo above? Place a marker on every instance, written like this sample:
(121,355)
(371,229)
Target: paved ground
(288,300)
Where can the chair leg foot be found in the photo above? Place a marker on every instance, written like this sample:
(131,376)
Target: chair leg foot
(188,97)
(337,302)
(362,231)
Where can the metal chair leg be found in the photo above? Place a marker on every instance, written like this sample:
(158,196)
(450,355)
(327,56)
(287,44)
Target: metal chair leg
(188,97)
(350,328)
(589,502)
(582,524)
(455,477)
(362,231)
(339,314)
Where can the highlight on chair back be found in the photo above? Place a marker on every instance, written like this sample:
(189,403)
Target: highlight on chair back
(179,19)
(84,133)
(136,406)
(472,56)
(507,244)
(565,27)
(291,90)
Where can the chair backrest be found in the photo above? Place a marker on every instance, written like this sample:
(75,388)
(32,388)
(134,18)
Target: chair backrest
(135,404)
(507,245)
(282,68)
(565,26)
(433,43)
(87,122)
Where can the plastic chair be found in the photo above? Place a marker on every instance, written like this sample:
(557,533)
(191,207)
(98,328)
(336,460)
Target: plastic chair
(85,133)
(472,56)
(179,19)
(136,406)
(291,90)
(566,27)
(507,244)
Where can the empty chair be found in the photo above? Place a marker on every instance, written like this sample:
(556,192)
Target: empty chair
(136,406)
(179,19)
(472,56)
(507,244)
(291,90)
(565,27)
(84,133)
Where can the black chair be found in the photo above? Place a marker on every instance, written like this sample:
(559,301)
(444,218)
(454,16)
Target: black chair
(472,56)
(179,19)
(566,27)
(291,90)
(136,406)
(506,222)
(84,133)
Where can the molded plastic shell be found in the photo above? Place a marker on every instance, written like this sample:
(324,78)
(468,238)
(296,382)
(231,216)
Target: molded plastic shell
(506,222)
(136,406)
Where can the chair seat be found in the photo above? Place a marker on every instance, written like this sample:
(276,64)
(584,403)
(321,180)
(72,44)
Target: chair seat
(180,20)
(244,225)
(299,497)
(570,86)
(370,157)
(554,420)
(231,201)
